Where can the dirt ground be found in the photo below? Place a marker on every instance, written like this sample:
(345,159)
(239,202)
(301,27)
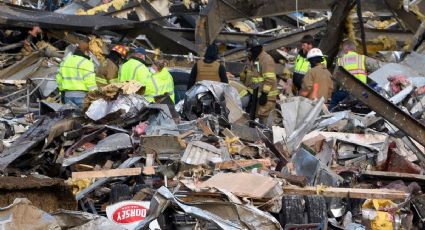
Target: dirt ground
(47,194)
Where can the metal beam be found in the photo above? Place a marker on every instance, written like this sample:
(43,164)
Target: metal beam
(234,37)
(275,42)
(218,12)
(168,41)
(409,19)
(329,43)
(16,16)
(381,105)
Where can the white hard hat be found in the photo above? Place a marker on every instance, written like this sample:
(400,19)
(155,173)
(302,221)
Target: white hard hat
(315,52)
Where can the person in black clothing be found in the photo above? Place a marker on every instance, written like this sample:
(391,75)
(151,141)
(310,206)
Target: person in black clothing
(208,69)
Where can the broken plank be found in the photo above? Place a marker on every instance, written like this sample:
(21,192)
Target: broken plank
(107,173)
(237,164)
(346,192)
(394,175)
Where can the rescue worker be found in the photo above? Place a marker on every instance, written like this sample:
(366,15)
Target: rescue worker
(208,69)
(355,64)
(317,83)
(108,71)
(135,68)
(76,75)
(302,65)
(263,76)
(163,79)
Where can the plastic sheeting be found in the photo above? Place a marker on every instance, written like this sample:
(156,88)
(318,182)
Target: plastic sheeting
(131,104)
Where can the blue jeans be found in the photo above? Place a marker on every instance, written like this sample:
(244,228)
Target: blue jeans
(78,101)
(337,97)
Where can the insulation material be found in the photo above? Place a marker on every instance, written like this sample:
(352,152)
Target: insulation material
(381,24)
(116,4)
(349,25)
(381,43)
(415,9)
(243,27)
(78,184)
(379,213)
(98,48)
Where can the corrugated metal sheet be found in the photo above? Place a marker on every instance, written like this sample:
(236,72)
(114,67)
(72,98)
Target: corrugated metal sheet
(199,152)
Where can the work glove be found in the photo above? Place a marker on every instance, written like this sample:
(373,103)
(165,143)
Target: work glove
(263,99)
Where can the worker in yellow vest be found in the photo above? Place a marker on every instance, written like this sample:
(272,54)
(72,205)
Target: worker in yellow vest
(302,65)
(263,76)
(108,70)
(135,68)
(208,69)
(76,75)
(163,79)
(355,64)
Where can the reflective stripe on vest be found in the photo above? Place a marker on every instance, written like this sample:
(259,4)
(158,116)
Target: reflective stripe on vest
(71,78)
(354,63)
(75,78)
(257,80)
(302,65)
(269,75)
(135,71)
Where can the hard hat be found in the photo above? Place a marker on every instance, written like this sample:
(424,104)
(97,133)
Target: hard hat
(315,52)
(121,50)
(252,42)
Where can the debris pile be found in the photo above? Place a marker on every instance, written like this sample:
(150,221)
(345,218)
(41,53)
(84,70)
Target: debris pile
(201,157)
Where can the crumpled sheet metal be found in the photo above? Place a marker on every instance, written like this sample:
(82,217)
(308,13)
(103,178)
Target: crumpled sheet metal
(131,104)
(299,115)
(309,166)
(217,88)
(114,142)
(75,220)
(198,153)
(161,200)
(338,116)
(31,138)
(21,214)
(161,123)
(249,217)
(126,164)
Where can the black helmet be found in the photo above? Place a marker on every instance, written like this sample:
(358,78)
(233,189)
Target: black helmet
(252,42)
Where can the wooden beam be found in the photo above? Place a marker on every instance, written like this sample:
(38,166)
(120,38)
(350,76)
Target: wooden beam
(237,164)
(394,175)
(346,192)
(107,173)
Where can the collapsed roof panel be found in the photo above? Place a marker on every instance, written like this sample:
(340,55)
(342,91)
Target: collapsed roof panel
(15,16)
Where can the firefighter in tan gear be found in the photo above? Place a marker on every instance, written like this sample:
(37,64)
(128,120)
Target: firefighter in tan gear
(261,73)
